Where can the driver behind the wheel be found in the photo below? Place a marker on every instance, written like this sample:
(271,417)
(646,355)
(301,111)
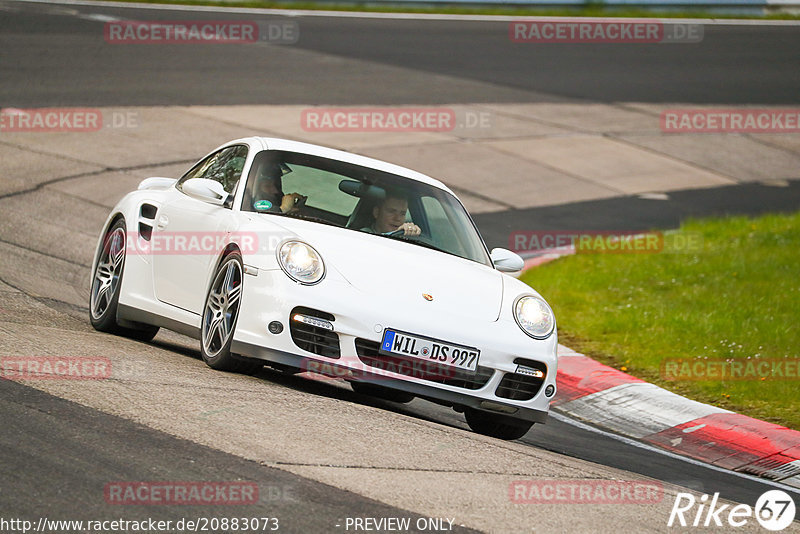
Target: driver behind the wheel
(390,216)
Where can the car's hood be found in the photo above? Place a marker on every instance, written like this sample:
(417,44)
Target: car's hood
(401,274)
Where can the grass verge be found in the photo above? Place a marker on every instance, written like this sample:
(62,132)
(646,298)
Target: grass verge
(737,299)
(588,10)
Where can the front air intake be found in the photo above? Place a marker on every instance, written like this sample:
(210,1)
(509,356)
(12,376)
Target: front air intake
(523,384)
(369,354)
(310,332)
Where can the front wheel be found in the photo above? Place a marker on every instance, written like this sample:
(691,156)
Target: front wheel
(496,425)
(219,318)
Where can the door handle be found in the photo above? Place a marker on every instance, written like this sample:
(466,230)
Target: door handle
(163,221)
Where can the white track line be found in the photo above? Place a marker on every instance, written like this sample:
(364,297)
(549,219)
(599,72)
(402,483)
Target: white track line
(583,426)
(399,16)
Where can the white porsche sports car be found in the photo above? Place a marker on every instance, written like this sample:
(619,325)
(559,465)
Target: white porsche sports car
(306,258)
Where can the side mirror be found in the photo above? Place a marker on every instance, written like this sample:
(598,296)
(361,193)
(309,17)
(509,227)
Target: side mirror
(506,261)
(206,190)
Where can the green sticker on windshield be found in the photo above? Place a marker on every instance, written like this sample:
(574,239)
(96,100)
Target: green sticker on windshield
(262,205)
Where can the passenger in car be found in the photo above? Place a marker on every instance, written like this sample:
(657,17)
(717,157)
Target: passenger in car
(390,216)
(268,195)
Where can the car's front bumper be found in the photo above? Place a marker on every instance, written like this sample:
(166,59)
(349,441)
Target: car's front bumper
(360,320)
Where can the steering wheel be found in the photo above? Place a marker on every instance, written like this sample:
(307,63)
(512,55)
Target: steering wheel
(401,233)
(421,238)
(395,233)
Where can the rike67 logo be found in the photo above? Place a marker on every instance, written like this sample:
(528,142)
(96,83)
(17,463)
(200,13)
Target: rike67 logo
(774,510)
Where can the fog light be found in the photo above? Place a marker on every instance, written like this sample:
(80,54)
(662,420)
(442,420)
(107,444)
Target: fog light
(529,371)
(313,321)
(550,390)
(275,327)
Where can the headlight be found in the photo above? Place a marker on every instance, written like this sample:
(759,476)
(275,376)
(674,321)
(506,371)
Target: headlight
(301,262)
(534,316)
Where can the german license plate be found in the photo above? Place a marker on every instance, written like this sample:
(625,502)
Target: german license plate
(431,350)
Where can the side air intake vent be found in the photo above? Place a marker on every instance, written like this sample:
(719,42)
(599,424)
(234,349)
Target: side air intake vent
(312,330)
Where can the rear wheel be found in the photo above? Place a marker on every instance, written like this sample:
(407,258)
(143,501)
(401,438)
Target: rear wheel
(219,318)
(106,284)
(381,392)
(496,425)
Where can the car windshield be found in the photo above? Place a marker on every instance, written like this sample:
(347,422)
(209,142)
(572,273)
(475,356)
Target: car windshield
(361,199)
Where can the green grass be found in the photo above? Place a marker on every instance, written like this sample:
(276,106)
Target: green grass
(738,298)
(590,9)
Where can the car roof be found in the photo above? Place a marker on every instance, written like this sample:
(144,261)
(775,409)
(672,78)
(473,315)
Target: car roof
(274,143)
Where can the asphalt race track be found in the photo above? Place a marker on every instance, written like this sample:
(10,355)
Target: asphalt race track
(93,448)
(318,452)
(347,61)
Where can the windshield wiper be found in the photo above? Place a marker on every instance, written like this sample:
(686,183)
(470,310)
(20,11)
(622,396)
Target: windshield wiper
(311,218)
(297,215)
(402,237)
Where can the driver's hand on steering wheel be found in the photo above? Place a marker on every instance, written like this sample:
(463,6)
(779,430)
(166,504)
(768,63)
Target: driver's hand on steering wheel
(409,229)
(292,201)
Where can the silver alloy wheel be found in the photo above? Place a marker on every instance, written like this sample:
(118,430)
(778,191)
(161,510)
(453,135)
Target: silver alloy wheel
(107,274)
(222,307)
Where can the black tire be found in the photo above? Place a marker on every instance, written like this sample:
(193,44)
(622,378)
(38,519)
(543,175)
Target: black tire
(144,333)
(106,285)
(220,313)
(496,425)
(381,392)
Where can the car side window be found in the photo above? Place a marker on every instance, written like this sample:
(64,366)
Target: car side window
(224,166)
